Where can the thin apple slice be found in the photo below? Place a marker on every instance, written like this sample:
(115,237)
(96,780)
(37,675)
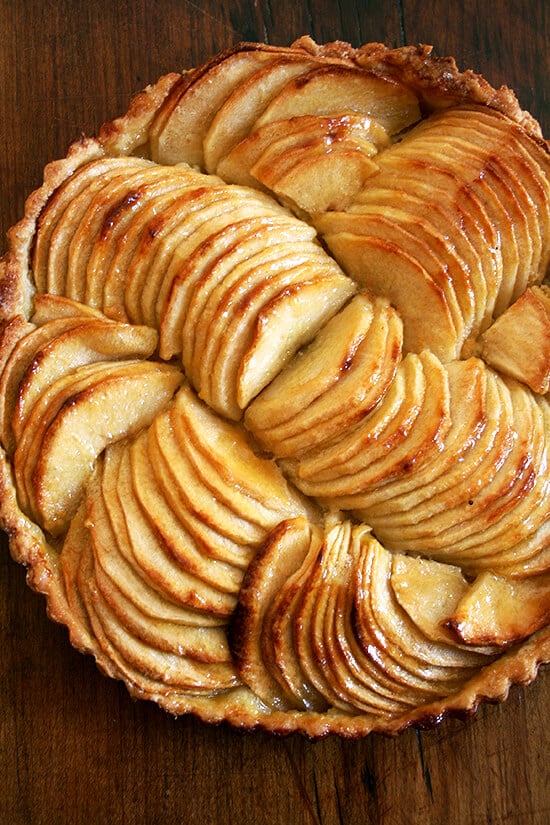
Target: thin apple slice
(494,499)
(12,333)
(21,354)
(48,307)
(120,401)
(179,128)
(367,683)
(499,611)
(522,159)
(80,630)
(182,225)
(384,268)
(193,268)
(412,578)
(223,456)
(311,294)
(434,251)
(468,416)
(110,229)
(154,556)
(522,241)
(223,252)
(315,369)
(318,176)
(308,624)
(235,119)
(285,551)
(274,244)
(85,343)
(200,644)
(120,567)
(368,136)
(187,551)
(386,426)
(62,198)
(224,288)
(496,194)
(337,89)
(194,502)
(136,657)
(518,342)
(530,189)
(203,224)
(133,222)
(394,456)
(438,185)
(59,243)
(490,434)
(332,385)
(387,225)
(302,314)
(430,669)
(434,219)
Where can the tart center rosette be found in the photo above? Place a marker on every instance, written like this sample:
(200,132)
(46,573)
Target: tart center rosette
(274,410)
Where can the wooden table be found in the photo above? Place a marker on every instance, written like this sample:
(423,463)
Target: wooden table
(73,747)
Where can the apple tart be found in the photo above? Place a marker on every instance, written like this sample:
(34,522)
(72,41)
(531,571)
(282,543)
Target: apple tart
(275,390)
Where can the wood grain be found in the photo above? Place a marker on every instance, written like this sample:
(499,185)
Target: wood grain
(73,747)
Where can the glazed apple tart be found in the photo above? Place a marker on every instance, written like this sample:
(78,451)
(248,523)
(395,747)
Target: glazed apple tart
(274,390)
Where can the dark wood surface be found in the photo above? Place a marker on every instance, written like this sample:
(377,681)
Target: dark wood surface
(73,747)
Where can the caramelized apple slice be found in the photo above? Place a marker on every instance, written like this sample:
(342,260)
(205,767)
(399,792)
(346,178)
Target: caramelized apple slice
(336,89)
(468,417)
(303,313)
(412,578)
(200,644)
(188,552)
(433,218)
(518,343)
(283,553)
(441,185)
(142,662)
(501,611)
(497,196)
(386,426)
(61,240)
(179,128)
(386,225)
(22,341)
(193,271)
(61,206)
(118,402)
(211,221)
(119,566)
(318,176)
(332,385)
(131,223)
(310,293)
(85,343)
(48,307)
(394,456)
(274,245)
(381,266)
(366,134)
(235,119)
(154,556)
(223,457)
(112,229)
(428,668)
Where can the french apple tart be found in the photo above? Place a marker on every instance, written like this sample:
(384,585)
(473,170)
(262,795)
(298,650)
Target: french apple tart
(275,390)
